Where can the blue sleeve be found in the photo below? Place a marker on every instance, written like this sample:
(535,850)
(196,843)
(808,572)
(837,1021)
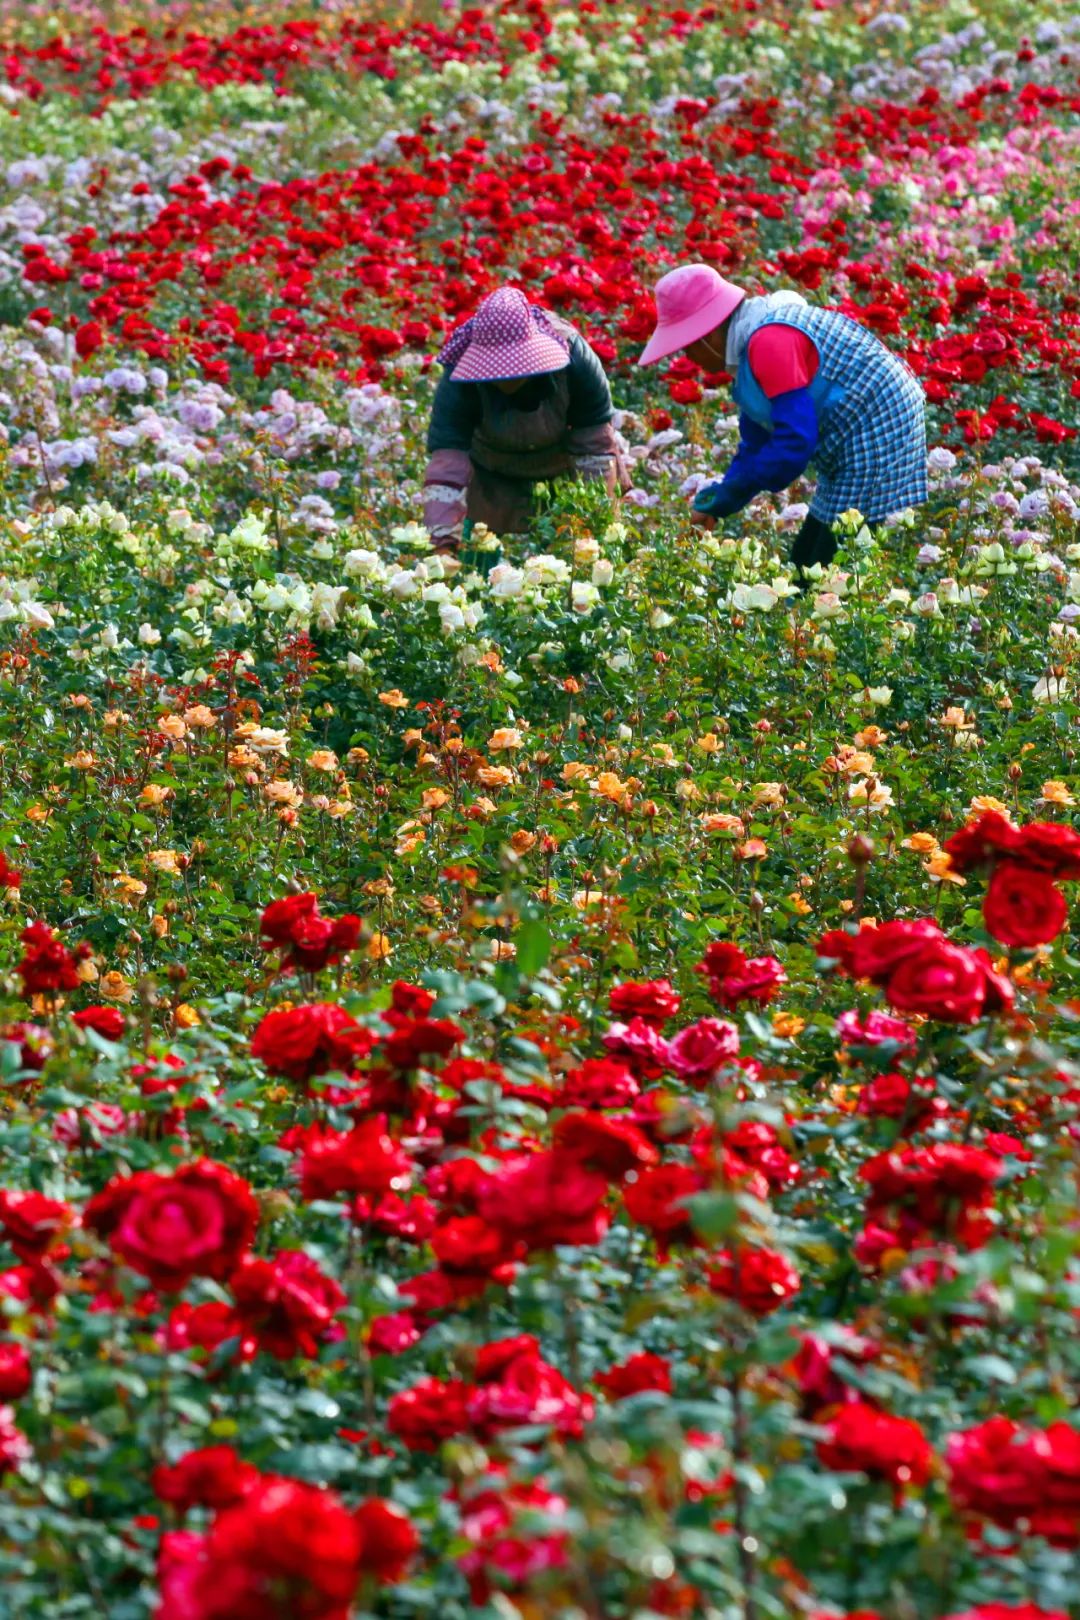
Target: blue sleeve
(764,460)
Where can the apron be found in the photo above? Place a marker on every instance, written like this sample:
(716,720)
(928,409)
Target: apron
(514,449)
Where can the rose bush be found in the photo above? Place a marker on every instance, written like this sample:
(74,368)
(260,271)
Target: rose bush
(541,1082)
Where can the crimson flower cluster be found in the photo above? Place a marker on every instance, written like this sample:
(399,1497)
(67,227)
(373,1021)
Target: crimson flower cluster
(1023,906)
(921,970)
(276,1549)
(305,940)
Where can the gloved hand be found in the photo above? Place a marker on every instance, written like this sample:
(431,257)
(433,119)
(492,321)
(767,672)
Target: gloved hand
(815,543)
(711,501)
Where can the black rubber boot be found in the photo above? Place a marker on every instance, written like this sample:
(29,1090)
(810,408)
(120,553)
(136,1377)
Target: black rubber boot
(815,542)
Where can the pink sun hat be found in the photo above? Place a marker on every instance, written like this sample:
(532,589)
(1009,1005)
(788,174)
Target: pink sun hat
(507,337)
(691,302)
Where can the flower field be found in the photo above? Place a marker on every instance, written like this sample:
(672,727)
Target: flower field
(542,1083)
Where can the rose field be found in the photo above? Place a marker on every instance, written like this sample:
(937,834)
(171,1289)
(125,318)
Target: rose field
(540,1083)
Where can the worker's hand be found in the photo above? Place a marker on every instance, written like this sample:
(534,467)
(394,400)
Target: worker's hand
(702,520)
(710,501)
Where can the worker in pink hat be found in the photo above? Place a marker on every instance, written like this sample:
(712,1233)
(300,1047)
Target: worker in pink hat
(813,388)
(523,400)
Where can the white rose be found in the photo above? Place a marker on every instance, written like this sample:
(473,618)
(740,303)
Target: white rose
(148,636)
(402,585)
(362,564)
(603,572)
(506,582)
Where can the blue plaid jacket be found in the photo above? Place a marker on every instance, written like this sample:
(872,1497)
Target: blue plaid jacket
(871,449)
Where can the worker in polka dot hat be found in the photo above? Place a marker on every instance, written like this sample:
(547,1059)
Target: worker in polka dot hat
(523,400)
(815,391)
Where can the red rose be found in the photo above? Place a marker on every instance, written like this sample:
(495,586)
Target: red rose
(16,1374)
(108,1022)
(941,981)
(503,1551)
(864,1440)
(981,841)
(35,1045)
(421,1038)
(1023,907)
(758,1145)
(699,1050)
(529,1390)
(365,1160)
(640,1045)
(212,1477)
(31,1222)
(194,1223)
(878,952)
(761,1280)
(15,1448)
(1027,1478)
(720,959)
(285,1551)
(876,1029)
(306,1041)
(894,1096)
(428,1413)
(655,1001)
(180,1560)
(657,1201)
(48,965)
(873,1243)
(816,1366)
(392,1335)
(282,917)
(492,1359)
(203,1327)
(88,338)
(545,1199)
(1009,1611)
(458,1182)
(733,977)
(758,980)
(287,1303)
(471,1244)
(388,1540)
(411,1000)
(1000,995)
(1051,847)
(996,1470)
(307,941)
(685,392)
(926,1190)
(837,946)
(599,1083)
(614,1147)
(640,1372)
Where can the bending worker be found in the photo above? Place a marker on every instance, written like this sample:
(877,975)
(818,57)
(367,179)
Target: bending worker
(523,400)
(811,386)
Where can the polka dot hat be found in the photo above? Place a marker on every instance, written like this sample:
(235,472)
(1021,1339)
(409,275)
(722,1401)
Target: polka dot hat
(507,337)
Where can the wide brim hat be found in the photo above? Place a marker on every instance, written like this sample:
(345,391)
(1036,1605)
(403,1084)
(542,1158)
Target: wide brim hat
(691,302)
(508,338)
